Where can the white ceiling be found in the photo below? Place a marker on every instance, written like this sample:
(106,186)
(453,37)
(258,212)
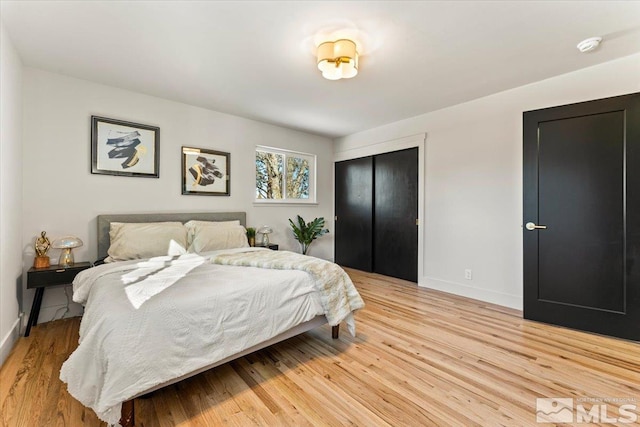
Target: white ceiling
(255,59)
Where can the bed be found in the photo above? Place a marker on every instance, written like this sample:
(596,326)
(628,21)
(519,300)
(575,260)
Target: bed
(151,322)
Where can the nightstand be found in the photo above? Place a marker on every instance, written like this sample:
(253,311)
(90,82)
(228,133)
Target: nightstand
(272,246)
(40,278)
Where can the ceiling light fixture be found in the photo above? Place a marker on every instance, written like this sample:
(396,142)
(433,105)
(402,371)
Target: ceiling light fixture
(589,44)
(338,59)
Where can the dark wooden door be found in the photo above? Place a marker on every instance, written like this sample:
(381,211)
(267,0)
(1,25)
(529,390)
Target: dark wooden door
(395,233)
(582,182)
(354,213)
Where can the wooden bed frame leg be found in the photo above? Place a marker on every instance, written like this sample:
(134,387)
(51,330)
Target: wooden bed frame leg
(335,332)
(127,415)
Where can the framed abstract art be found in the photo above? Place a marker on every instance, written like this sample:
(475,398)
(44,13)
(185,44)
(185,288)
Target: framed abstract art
(124,148)
(205,172)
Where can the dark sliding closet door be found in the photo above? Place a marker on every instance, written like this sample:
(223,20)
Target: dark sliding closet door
(376,210)
(395,232)
(354,212)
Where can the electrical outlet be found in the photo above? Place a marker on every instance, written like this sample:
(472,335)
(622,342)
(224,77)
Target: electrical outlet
(468,274)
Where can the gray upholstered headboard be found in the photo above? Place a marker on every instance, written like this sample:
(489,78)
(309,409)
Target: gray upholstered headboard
(104,222)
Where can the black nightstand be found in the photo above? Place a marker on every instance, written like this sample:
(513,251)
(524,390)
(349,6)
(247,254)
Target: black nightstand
(41,278)
(272,246)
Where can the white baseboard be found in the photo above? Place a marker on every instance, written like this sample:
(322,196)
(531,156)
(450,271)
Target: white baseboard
(9,340)
(506,300)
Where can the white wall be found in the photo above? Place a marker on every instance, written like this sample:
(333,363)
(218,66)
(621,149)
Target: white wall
(10,193)
(62,197)
(473,200)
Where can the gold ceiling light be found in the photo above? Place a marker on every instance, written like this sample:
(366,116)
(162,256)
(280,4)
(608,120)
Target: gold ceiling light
(338,59)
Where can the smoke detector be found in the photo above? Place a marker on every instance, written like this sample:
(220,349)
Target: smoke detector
(589,44)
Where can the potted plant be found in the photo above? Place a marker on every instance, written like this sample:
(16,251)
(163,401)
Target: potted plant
(307,232)
(251,236)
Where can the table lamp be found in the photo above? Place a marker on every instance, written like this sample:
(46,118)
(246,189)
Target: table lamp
(66,244)
(265,231)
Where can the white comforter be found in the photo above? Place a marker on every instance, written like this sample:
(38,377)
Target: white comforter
(147,322)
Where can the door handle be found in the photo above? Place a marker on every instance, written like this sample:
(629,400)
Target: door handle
(531,226)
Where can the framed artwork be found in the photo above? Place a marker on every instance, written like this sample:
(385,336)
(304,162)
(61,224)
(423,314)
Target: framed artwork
(205,172)
(124,148)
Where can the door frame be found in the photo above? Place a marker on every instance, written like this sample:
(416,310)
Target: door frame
(412,141)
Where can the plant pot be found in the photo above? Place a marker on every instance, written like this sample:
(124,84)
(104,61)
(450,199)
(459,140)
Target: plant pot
(252,241)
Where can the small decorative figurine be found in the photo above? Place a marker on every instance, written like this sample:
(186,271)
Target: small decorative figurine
(42,247)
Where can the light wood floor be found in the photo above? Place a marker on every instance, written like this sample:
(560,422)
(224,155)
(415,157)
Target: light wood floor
(420,358)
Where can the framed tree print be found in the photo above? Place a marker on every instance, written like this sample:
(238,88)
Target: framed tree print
(124,148)
(205,172)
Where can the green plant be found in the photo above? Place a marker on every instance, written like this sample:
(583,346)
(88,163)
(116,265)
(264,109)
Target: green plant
(251,232)
(307,232)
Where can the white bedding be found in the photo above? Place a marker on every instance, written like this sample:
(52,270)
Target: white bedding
(146,323)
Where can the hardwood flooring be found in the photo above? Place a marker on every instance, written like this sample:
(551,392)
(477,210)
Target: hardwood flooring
(420,357)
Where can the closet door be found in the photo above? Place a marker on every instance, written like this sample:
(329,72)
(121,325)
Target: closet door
(354,210)
(395,233)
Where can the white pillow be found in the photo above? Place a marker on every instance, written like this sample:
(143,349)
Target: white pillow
(195,223)
(191,226)
(145,240)
(208,238)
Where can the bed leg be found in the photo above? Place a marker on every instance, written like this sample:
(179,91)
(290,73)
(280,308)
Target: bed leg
(127,415)
(335,332)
